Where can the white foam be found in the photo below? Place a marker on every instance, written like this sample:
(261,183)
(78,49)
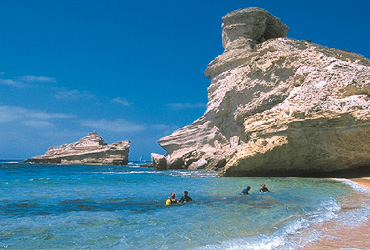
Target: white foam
(354,185)
(192,173)
(278,240)
(175,173)
(281,239)
(354,217)
(260,242)
(131,172)
(328,210)
(134,166)
(358,215)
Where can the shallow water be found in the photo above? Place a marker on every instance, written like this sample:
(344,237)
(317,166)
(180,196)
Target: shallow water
(123,207)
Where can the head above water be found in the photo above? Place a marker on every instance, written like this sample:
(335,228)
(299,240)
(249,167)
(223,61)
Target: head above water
(186,192)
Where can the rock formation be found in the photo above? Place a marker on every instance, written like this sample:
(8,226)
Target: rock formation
(91,149)
(277,106)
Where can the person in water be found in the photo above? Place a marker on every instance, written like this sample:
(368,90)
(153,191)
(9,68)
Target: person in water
(246,190)
(264,188)
(168,201)
(171,200)
(185,197)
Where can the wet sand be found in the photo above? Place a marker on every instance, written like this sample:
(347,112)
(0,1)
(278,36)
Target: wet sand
(339,235)
(364,181)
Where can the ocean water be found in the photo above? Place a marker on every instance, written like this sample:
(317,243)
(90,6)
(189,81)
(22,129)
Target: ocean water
(123,207)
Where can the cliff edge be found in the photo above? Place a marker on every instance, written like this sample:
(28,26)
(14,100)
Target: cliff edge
(91,149)
(277,106)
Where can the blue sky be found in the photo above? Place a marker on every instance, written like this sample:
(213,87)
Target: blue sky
(130,70)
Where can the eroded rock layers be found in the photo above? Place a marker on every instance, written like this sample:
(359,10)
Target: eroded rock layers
(91,149)
(277,106)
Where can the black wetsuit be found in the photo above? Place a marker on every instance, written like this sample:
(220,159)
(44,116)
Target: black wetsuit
(185,198)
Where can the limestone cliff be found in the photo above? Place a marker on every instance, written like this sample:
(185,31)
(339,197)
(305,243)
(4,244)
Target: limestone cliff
(91,149)
(277,106)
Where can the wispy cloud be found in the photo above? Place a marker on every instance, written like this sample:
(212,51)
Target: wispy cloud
(47,116)
(121,101)
(33,118)
(123,126)
(11,82)
(37,79)
(73,94)
(164,128)
(118,125)
(178,106)
(37,124)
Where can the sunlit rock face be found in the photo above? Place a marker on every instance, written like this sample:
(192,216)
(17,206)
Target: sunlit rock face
(254,24)
(91,149)
(277,106)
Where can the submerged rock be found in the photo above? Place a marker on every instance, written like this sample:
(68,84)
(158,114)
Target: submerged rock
(277,106)
(147,165)
(91,149)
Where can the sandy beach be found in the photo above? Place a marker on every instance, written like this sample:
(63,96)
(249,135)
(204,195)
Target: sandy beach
(336,235)
(364,181)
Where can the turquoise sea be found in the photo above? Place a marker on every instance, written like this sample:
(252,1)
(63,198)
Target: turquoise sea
(123,207)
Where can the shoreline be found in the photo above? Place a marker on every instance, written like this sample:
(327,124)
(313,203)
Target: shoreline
(362,181)
(337,235)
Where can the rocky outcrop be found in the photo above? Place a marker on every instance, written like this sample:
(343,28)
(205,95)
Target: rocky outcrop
(159,162)
(91,149)
(277,106)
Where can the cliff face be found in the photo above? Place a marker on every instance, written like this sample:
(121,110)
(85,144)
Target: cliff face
(91,149)
(277,106)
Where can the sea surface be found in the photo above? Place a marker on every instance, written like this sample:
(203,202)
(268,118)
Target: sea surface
(123,207)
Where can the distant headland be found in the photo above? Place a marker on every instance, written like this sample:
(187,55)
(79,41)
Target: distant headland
(91,149)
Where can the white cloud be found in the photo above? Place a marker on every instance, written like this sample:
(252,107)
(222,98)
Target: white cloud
(8,114)
(38,79)
(37,124)
(118,125)
(178,106)
(47,116)
(122,101)
(10,82)
(166,129)
(20,81)
(13,113)
(73,94)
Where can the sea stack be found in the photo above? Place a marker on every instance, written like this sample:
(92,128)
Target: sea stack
(91,149)
(277,106)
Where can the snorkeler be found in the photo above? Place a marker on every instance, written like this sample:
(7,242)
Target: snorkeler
(171,200)
(168,201)
(263,188)
(246,190)
(185,197)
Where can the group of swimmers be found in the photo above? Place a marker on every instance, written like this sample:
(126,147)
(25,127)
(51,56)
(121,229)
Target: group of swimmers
(263,189)
(184,198)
